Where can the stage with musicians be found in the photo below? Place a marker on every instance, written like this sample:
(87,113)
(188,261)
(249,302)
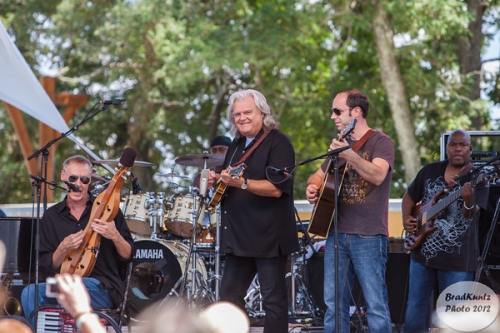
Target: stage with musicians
(176,255)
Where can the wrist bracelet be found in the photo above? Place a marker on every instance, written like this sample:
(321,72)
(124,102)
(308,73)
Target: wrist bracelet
(80,320)
(468,208)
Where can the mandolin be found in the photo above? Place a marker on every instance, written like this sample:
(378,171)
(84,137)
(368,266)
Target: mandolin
(237,172)
(81,261)
(322,215)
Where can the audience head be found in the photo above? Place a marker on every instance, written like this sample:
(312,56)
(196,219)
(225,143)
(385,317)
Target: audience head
(224,317)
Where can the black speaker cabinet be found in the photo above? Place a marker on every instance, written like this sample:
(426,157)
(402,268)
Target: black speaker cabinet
(396,277)
(485,145)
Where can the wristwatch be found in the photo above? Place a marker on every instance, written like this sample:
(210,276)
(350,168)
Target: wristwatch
(244,185)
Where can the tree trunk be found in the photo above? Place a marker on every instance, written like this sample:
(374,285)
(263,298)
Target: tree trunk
(394,87)
(469,57)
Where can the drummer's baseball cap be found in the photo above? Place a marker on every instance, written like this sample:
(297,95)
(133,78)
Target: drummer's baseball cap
(220,140)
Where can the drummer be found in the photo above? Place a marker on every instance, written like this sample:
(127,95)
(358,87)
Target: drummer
(219,145)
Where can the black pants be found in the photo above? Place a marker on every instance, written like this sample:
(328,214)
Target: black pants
(239,273)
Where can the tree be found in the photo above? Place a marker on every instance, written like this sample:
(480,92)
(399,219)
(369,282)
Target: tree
(176,63)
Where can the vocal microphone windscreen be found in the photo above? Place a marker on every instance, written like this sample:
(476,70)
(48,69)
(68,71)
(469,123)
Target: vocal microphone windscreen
(204,182)
(128,157)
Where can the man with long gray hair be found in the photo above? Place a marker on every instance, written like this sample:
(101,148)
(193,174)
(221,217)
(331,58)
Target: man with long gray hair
(258,229)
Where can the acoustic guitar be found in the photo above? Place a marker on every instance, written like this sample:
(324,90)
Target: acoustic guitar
(322,215)
(237,172)
(426,214)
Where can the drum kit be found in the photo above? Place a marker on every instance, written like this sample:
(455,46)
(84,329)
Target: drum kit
(176,243)
(177,246)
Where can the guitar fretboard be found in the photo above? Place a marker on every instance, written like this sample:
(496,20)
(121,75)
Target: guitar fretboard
(438,207)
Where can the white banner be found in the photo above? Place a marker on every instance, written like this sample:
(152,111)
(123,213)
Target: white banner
(20,88)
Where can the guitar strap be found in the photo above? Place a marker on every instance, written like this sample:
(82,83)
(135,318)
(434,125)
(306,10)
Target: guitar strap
(358,144)
(462,172)
(363,139)
(257,143)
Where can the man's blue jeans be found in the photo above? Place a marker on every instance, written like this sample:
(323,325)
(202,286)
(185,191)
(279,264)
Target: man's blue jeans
(366,257)
(422,281)
(99,298)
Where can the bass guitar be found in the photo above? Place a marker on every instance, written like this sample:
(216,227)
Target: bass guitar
(81,261)
(322,215)
(236,172)
(427,213)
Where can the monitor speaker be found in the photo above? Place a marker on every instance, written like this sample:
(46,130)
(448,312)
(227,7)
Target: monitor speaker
(396,277)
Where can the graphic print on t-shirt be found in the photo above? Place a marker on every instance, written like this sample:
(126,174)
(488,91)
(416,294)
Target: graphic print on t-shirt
(451,223)
(353,190)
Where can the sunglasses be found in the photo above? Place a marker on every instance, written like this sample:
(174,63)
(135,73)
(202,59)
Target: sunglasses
(84,179)
(338,111)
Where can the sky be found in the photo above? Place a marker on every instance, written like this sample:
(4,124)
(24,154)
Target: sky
(492,51)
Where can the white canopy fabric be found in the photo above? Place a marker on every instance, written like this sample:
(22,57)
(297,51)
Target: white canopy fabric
(20,88)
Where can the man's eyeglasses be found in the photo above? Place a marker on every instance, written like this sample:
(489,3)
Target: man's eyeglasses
(338,111)
(84,179)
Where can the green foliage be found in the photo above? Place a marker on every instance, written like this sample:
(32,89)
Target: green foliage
(177,62)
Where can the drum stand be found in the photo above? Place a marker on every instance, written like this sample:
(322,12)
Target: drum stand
(481,261)
(156,211)
(197,288)
(217,275)
(302,305)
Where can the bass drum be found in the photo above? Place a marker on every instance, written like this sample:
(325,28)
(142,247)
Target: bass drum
(156,267)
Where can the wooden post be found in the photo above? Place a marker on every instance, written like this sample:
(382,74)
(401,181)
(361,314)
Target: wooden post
(46,133)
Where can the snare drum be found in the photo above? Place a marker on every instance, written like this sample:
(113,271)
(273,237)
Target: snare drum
(156,267)
(137,214)
(179,219)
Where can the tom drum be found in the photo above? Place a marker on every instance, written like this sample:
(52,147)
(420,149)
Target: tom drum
(179,219)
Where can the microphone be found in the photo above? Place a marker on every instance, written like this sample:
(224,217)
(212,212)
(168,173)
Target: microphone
(128,157)
(72,187)
(204,182)
(40,179)
(281,171)
(338,150)
(136,187)
(114,101)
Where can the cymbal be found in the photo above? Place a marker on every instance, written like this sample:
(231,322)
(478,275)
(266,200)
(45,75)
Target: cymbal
(198,160)
(136,163)
(171,175)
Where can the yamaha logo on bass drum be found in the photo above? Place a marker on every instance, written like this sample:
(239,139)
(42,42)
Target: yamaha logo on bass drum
(148,254)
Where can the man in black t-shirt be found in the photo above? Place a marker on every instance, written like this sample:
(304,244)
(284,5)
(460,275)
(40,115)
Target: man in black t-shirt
(61,230)
(448,254)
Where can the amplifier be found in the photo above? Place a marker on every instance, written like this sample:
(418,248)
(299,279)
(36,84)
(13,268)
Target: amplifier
(18,235)
(485,145)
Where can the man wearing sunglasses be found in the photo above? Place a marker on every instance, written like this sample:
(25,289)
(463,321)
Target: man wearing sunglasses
(362,209)
(61,230)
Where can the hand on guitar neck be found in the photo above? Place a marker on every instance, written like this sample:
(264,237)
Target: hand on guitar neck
(232,175)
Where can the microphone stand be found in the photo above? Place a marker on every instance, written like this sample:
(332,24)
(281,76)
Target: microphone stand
(44,151)
(37,184)
(334,158)
(291,169)
(333,154)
